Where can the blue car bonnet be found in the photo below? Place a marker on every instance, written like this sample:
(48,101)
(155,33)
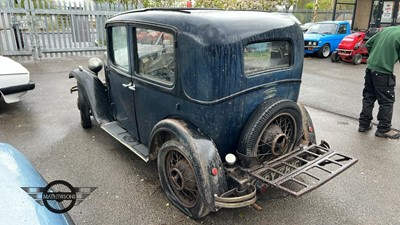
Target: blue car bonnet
(16,206)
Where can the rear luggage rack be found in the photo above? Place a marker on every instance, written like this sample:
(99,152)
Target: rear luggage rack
(303,170)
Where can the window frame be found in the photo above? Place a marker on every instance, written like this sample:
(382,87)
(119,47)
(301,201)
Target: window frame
(110,50)
(136,73)
(270,69)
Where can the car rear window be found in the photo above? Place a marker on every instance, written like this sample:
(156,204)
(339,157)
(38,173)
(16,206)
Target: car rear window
(264,56)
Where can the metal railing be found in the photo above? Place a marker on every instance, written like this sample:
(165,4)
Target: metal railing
(32,29)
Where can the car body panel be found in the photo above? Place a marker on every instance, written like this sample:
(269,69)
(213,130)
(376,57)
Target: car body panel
(16,206)
(14,80)
(96,94)
(201,88)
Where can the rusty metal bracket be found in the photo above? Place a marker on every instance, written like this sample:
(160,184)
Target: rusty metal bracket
(303,170)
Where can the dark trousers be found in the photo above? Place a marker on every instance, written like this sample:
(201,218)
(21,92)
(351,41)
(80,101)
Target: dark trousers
(378,86)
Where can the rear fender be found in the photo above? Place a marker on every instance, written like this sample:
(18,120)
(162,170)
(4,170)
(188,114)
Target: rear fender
(95,93)
(204,154)
(308,136)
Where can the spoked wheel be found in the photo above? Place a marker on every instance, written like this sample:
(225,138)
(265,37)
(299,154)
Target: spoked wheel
(272,131)
(84,109)
(277,138)
(178,179)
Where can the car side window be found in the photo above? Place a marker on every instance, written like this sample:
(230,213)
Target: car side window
(156,55)
(119,43)
(264,56)
(342,29)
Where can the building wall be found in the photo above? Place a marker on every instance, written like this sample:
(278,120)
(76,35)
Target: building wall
(362,15)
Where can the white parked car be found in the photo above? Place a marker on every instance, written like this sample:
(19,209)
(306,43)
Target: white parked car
(14,80)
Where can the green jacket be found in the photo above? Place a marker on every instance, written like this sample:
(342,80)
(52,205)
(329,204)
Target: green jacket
(384,50)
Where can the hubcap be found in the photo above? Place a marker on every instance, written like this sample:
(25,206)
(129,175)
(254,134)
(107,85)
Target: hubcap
(326,51)
(277,138)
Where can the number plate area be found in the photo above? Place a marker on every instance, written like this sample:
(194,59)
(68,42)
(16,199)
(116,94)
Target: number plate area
(303,170)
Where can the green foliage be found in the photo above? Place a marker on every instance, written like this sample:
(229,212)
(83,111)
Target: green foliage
(237,4)
(35,3)
(309,5)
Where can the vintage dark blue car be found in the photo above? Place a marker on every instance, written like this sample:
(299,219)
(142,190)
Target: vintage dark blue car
(211,95)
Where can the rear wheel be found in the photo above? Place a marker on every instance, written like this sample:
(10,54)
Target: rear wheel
(178,179)
(84,109)
(356,59)
(272,130)
(324,51)
(335,56)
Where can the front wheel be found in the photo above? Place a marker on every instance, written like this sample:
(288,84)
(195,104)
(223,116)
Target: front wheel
(179,181)
(335,56)
(324,51)
(84,109)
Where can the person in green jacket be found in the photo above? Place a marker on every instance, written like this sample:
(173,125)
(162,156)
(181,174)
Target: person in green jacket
(384,52)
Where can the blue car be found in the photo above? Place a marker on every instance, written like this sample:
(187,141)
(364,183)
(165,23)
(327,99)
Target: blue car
(323,38)
(17,206)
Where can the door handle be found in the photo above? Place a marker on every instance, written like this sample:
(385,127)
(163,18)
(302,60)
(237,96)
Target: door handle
(127,85)
(132,87)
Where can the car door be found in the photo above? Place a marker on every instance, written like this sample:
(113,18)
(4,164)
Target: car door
(155,77)
(121,88)
(340,34)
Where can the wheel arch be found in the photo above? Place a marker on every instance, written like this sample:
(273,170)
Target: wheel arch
(201,148)
(309,136)
(95,94)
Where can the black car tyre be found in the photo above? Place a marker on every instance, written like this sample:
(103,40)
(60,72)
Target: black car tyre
(356,59)
(335,56)
(272,130)
(324,51)
(179,181)
(84,109)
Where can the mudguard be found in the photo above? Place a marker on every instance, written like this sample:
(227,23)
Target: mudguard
(95,93)
(204,152)
(308,127)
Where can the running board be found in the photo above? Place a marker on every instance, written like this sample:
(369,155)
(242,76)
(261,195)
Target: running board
(122,135)
(303,170)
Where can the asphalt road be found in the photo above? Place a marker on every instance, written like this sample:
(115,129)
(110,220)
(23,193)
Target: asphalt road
(45,126)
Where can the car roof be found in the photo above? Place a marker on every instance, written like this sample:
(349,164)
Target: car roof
(229,23)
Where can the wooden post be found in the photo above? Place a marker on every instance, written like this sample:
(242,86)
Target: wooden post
(315,10)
